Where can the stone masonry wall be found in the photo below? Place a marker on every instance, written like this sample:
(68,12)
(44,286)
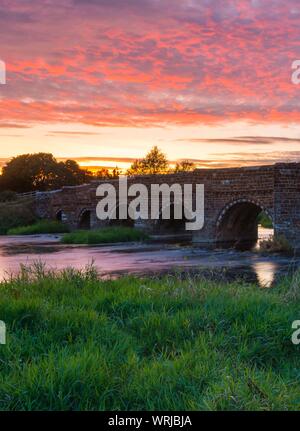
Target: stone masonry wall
(274,189)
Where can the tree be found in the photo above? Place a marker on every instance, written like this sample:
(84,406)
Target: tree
(40,171)
(155,162)
(116,172)
(105,173)
(137,168)
(184,166)
(72,175)
(102,174)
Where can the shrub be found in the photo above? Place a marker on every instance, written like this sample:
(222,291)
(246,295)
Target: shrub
(14,214)
(276,244)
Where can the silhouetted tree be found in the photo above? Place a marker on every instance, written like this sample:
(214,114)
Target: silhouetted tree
(116,172)
(137,168)
(71,174)
(155,162)
(40,171)
(102,174)
(105,173)
(184,166)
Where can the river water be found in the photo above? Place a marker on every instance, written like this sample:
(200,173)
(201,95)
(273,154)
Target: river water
(155,258)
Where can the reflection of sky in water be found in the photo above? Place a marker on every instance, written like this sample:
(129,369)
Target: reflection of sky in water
(263,235)
(265,272)
(139,259)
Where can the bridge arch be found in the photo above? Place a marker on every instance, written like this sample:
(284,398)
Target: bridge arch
(118,222)
(237,224)
(60,216)
(172,225)
(85,219)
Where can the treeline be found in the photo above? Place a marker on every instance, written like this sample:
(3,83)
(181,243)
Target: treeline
(156,162)
(42,172)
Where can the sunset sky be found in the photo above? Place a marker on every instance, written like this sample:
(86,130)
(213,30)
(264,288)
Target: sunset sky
(105,80)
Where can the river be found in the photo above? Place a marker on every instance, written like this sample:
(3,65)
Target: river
(153,258)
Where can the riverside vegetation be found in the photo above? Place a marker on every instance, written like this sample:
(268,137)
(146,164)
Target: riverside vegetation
(88,237)
(104,236)
(75,342)
(40,227)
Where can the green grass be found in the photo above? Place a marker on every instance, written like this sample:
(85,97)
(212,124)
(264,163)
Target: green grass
(40,227)
(76,343)
(104,236)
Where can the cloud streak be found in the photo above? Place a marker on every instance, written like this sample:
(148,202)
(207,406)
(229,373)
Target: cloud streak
(243,140)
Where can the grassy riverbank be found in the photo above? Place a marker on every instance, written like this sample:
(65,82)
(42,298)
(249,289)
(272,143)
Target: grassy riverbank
(104,236)
(40,227)
(76,343)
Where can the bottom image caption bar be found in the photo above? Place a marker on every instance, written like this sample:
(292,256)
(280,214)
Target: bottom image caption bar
(138,422)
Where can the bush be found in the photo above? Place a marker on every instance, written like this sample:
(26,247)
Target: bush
(15,214)
(105,235)
(40,227)
(276,244)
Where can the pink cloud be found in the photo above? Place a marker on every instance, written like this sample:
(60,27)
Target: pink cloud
(99,62)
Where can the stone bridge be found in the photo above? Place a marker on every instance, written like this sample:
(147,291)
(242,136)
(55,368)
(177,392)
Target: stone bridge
(233,200)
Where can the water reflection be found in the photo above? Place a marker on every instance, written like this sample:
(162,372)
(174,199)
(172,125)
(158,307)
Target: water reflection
(265,273)
(143,259)
(264,234)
